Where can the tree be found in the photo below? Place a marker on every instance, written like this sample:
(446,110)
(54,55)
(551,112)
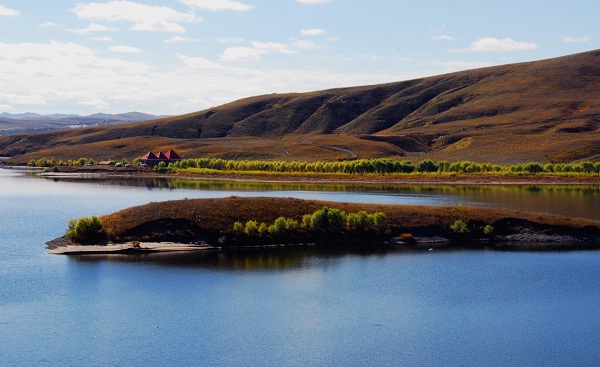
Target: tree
(426,165)
(459,227)
(86,230)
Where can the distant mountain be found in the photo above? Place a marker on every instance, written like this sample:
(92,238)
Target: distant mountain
(19,115)
(541,111)
(20,123)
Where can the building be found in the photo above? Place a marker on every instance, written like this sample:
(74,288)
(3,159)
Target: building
(153,159)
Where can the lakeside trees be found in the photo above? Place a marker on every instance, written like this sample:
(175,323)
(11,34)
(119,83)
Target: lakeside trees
(381,166)
(324,220)
(377,166)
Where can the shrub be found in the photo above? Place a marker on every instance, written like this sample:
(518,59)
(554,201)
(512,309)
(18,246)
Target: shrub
(251,228)
(86,230)
(238,227)
(488,230)
(459,227)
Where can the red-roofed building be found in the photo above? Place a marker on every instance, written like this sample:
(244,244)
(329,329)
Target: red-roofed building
(152,159)
(172,156)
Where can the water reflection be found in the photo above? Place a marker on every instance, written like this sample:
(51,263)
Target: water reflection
(571,200)
(259,259)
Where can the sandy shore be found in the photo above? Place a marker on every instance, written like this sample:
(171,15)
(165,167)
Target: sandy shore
(128,248)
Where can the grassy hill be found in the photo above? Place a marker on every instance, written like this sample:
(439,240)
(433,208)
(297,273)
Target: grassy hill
(541,111)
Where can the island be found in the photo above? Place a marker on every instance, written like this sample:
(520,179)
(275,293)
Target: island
(236,222)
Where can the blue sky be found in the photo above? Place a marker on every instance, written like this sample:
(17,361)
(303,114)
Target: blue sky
(180,56)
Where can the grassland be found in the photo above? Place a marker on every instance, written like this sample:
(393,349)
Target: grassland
(543,111)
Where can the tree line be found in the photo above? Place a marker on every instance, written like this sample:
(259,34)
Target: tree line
(357,166)
(325,220)
(380,166)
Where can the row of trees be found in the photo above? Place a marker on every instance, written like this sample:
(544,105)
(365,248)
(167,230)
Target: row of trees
(359,166)
(326,219)
(381,166)
(52,162)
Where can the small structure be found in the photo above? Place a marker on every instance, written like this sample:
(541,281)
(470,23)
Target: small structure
(153,159)
(105,163)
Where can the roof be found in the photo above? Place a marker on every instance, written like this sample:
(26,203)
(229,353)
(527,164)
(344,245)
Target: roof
(170,154)
(105,163)
(161,155)
(149,155)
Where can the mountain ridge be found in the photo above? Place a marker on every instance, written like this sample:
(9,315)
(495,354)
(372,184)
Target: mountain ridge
(547,110)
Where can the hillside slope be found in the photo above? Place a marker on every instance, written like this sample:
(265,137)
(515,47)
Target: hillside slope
(545,110)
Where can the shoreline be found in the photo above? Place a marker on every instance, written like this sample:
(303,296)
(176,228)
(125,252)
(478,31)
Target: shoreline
(408,179)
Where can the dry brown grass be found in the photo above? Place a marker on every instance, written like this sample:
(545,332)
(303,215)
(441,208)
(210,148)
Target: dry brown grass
(209,219)
(537,111)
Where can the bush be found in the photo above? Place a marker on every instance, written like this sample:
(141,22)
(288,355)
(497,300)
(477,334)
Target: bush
(459,227)
(86,230)
(488,230)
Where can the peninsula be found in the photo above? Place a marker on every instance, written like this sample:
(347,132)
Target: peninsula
(235,222)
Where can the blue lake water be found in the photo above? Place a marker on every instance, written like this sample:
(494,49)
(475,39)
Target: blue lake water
(288,307)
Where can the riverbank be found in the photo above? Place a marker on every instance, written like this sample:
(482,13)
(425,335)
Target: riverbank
(414,179)
(193,224)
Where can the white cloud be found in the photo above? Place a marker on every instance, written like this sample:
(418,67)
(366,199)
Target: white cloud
(312,1)
(63,72)
(575,39)
(49,25)
(233,54)
(489,44)
(444,37)
(126,49)
(217,5)
(144,17)
(458,65)
(313,32)
(103,39)
(92,28)
(254,52)
(179,39)
(272,47)
(306,45)
(198,62)
(7,12)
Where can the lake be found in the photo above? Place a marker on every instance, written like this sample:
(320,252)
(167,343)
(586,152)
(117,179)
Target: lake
(294,306)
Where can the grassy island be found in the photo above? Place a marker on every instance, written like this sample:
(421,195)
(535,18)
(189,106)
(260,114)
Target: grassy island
(254,222)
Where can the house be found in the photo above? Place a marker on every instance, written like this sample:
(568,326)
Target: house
(152,159)
(105,163)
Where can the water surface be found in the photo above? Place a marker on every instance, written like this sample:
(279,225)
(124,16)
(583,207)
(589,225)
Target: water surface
(292,307)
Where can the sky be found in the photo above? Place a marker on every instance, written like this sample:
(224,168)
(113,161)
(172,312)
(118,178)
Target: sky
(181,56)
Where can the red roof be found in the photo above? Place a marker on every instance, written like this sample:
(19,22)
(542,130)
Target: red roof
(161,155)
(149,155)
(170,154)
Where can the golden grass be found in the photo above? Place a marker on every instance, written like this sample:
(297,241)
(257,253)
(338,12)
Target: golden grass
(544,111)
(210,219)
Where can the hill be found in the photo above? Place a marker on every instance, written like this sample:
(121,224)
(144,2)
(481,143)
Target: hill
(541,111)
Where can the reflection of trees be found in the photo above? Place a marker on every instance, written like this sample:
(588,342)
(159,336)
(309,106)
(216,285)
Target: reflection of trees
(263,259)
(164,183)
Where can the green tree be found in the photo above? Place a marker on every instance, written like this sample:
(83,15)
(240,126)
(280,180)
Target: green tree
(86,230)
(459,227)
(251,228)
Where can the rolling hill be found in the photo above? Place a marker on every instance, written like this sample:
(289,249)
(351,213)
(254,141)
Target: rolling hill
(546,110)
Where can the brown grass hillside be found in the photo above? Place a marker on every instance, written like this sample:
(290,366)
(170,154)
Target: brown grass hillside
(541,111)
(192,220)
